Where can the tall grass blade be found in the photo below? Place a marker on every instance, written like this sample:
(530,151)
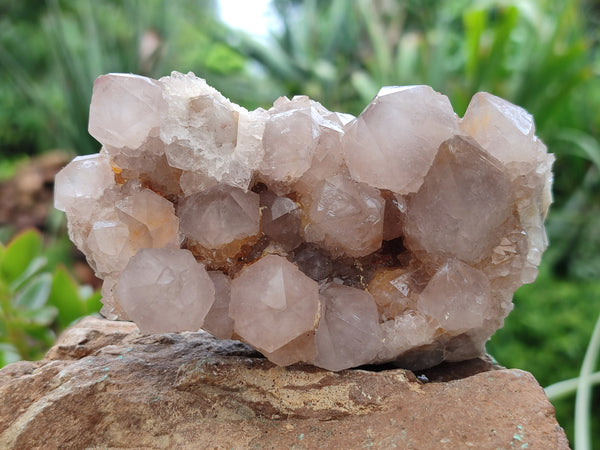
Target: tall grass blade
(583,399)
(588,145)
(568,387)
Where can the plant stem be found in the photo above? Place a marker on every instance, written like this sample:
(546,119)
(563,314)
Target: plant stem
(584,392)
(565,388)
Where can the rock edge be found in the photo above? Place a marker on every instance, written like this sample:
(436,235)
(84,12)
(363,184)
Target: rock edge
(105,384)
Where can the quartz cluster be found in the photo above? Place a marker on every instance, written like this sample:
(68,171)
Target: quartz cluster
(397,236)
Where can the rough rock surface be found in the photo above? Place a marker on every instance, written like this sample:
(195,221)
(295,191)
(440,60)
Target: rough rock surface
(105,385)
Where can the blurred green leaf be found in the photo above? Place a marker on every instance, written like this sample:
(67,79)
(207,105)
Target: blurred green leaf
(37,264)
(20,253)
(34,294)
(8,354)
(41,317)
(93,303)
(51,58)
(64,295)
(475,22)
(39,332)
(28,319)
(223,59)
(585,144)
(364,85)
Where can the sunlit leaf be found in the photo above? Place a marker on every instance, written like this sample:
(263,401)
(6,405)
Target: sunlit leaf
(223,59)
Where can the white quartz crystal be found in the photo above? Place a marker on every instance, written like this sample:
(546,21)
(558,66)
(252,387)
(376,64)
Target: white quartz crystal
(82,182)
(348,333)
(397,236)
(152,214)
(391,145)
(289,140)
(125,109)
(219,216)
(150,282)
(466,195)
(206,133)
(345,216)
(272,303)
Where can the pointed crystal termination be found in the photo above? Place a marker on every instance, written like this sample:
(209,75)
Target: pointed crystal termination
(272,303)
(457,296)
(348,334)
(125,110)
(219,216)
(81,184)
(391,145)
(396,236)
(153,278)
(346,217)
(469,192)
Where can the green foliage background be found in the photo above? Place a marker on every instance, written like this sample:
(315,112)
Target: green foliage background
(38,298)
(542,55)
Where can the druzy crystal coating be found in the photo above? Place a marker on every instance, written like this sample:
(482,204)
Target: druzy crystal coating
(397,236)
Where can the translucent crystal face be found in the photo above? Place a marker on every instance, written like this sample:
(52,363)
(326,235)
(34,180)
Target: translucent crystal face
(346,217)
(219,216)
(467,191)
(397,236)
(393,142)
(272,303)
(348,333)
(152,278)
(125,110)
(82,183)
(217,321)
(511,138)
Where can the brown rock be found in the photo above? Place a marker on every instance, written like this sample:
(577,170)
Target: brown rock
(106,385)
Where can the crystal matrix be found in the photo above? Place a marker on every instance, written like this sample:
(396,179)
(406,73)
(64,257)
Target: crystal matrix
(397,236)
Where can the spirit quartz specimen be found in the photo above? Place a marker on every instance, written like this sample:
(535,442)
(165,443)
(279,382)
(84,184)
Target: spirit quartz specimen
(397,236)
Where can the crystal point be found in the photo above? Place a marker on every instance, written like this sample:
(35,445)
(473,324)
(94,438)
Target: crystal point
(157,276)
(125,109)
(348,334)
(470,193)
(391,145)
(219,216)
(272,303)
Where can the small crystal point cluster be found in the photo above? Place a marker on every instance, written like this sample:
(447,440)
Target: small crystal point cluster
(397,236)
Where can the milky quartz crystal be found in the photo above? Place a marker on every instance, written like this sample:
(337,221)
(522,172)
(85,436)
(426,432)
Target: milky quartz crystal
(398,236)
